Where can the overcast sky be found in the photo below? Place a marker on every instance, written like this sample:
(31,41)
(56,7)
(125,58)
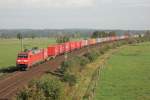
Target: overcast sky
(59,14)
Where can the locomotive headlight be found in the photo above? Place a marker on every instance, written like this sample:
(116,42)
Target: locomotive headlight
(25,60)
(18,60)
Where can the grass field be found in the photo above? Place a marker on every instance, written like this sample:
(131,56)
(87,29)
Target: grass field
(126,75)
(10,47)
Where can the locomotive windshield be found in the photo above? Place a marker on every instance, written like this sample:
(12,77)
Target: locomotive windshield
(22,56)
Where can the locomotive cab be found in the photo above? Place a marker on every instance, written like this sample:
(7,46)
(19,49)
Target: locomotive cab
(22,61)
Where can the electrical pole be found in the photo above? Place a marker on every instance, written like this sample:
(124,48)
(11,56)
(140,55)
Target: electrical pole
(66,56)
(21,37)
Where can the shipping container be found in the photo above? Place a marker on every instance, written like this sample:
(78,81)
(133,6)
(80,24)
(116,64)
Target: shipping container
(86,43)
(45,53)
(117,37)
(78,44)
(98,40)
(122,37)
(94,41)
(83,43)
(101,40)
(53,50)
(126,36)
(107,39)
(61,48)
(91,41)
(66,47)
(72,45)
(113,38)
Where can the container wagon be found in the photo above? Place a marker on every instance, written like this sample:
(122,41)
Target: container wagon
(66,47)
(53,51)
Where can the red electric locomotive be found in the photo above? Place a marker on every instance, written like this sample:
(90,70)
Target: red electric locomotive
(31,57)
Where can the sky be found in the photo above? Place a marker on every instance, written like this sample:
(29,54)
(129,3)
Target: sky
(61,14)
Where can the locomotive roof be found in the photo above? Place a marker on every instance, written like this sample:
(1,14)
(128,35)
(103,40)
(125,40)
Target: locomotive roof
(34,51)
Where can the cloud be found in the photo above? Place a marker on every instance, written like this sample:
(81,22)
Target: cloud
(126,3)
(46,3)
(135,3)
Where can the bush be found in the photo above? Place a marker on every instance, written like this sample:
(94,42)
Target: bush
(76,61)
(124,42)
(83,61)
(46,89)
(131,41)
(64,66)
(118,44)
(71,79)
(110,46)
(101,52)
(143,39)
(91,56)
(103,49)
(62,39)
(114,45)
(23,95)
(51,89)
(35,48)
(107,47)
(31,94)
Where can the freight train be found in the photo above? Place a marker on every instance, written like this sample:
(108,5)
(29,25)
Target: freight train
(29,58)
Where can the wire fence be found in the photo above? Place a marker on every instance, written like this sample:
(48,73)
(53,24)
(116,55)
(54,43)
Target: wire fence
(89,95)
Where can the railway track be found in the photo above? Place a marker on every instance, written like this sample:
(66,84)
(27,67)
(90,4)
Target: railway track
(11,84)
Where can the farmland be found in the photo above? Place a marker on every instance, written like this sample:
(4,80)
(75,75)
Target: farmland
(10,47)
(72,72)
(126,75)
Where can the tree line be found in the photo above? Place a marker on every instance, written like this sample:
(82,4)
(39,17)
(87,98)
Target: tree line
(36,34)
(61,37)
(100,34)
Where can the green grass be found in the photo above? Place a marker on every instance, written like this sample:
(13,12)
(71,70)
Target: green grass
(126,75)
(10,47)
